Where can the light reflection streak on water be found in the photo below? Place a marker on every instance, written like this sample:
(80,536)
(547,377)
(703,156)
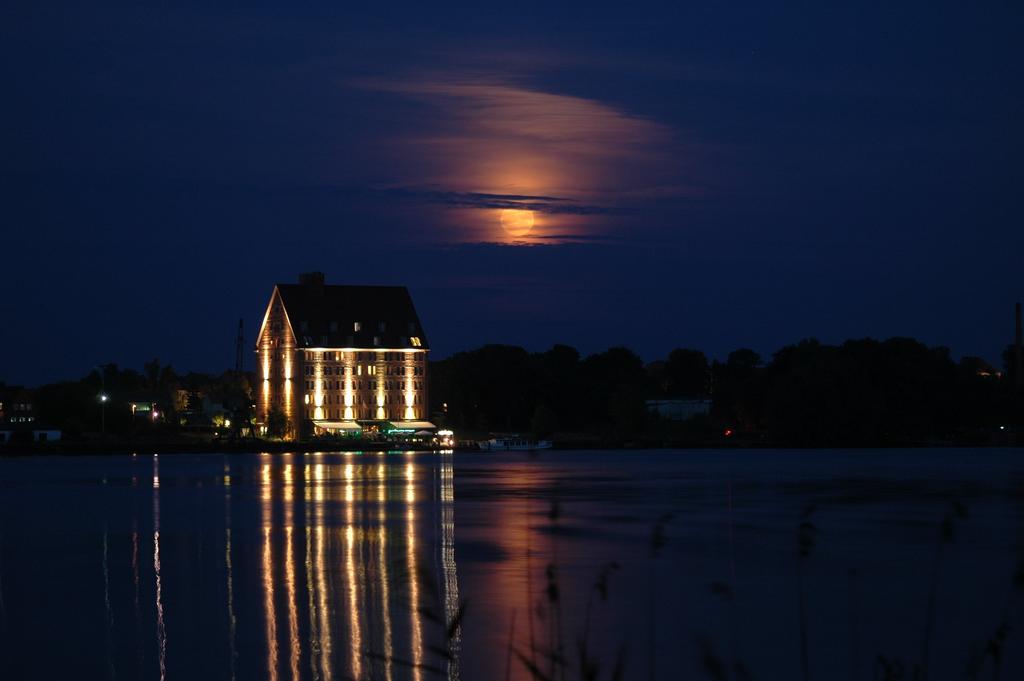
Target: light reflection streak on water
(323,617)
(266,511)
(106,602)
(342,531)
(355,633)
(414,588)
(232,621)
(135,570)
(451,579)
(369,625)
(314,637)
(288,489)
(135,579)
(161,631)
(295,647)
(382,505)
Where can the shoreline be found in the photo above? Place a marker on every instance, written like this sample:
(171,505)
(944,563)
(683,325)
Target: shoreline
(278,447)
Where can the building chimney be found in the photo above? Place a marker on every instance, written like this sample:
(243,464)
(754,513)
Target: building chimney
(313,281)
(1018,354)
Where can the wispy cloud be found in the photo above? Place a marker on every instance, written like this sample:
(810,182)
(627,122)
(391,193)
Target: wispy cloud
(498,143)
(551,205)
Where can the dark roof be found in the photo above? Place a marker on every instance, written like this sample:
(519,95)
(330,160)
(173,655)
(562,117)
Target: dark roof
(13,392)
(325,316)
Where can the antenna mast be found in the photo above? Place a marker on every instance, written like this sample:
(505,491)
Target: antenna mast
(239,342)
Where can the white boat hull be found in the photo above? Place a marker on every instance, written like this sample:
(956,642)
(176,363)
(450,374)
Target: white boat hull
(513,444)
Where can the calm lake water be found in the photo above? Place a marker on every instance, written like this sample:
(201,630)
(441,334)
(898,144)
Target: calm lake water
(354,566)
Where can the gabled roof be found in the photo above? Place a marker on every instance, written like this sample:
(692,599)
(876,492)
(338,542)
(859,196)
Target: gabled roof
(326,316)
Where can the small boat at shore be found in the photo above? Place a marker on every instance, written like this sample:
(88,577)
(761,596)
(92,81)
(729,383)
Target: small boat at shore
(509,444)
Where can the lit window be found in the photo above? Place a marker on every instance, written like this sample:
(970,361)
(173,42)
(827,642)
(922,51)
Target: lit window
(416,342)
(356,326)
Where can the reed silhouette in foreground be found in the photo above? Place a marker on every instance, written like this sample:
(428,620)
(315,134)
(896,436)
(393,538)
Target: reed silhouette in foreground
(549,661)
(806,536)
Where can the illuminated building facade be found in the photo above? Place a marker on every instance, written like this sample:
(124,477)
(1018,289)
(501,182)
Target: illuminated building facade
(340,359)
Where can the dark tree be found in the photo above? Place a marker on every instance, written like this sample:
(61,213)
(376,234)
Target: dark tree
(544,421)
(739,391)
(277,423)
(614,384)
(688,373)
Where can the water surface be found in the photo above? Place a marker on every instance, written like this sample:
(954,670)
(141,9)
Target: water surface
(357,566)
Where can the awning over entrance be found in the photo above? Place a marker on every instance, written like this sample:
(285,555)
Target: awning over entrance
(338,425)
(414,425)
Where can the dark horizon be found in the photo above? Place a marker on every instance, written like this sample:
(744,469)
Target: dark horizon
(249,357)
(702,178)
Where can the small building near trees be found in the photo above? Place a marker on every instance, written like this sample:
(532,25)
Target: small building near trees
(18,422)
(680,410)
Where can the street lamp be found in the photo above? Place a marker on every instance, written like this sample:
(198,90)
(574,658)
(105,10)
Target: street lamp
(103,413)
(103,397)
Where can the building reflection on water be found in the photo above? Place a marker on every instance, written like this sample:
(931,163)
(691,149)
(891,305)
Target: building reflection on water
(340,566)
(161,629)
(356,573)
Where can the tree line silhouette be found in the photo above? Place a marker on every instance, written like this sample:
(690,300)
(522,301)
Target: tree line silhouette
(859,393)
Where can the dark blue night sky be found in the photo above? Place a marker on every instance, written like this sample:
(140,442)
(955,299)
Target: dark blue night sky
(707,178)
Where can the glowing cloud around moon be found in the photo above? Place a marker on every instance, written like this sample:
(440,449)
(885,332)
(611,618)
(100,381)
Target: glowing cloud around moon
(514,152)
(516,222)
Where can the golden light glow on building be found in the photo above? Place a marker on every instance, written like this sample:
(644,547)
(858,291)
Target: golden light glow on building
(318,390)
(276,349)
(324,371)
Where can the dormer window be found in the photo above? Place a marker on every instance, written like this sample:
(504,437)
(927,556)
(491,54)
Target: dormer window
(416,342)
(357,327)
(376,340)
(303,326)
(334,327)
(382,326)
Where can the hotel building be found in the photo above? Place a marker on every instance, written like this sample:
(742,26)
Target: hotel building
(341,359)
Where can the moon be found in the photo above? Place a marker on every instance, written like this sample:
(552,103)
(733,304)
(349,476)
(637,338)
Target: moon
(517,222)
